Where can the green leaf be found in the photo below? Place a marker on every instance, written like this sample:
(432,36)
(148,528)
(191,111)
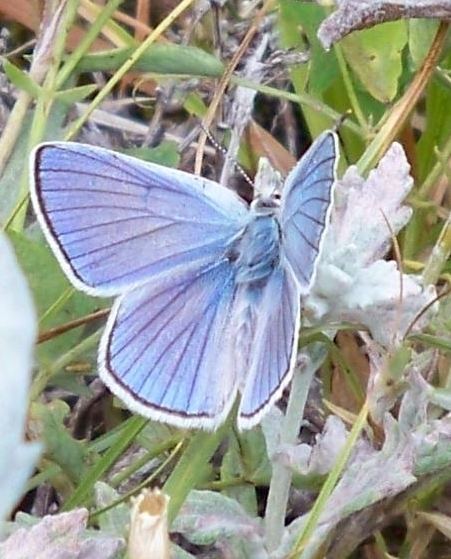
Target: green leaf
(73,383)
(195,105)
(165,154)
(433,341)
(440,397)
(246,458)
(10,182)
(291,23)
(322,67)
(193,467)
(159,59)
(233,467)
(75,94)
(123,438)
(397,362)
(60,446)
(421,35)
(375,56)
(438,122)
(115,520)
(48,283)
(298,26)
(156,434)
(21,79)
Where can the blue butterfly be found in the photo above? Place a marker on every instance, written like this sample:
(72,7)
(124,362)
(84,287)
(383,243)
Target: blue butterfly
(209,287)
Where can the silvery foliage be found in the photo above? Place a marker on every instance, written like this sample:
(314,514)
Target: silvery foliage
(59,536)
(318,459)
(414,447)
(209,517)
(353,281)
(17,336)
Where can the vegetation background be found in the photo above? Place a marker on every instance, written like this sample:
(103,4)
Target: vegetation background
(366,474)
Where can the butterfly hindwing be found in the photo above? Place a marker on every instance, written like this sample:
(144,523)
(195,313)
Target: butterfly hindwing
(165,346)
(115,221)
(274,346)
(304,213)
(305,206)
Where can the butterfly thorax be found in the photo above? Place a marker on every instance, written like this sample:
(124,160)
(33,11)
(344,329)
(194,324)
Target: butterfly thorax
(256,252)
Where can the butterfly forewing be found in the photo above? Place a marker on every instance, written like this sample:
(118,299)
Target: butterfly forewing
(115,222)
(305,207)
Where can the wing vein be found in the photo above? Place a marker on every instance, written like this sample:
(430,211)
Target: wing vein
(112,157)
(91,174)
(117,243)
(299,230)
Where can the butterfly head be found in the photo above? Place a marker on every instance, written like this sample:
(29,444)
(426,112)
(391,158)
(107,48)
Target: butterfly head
(268,183)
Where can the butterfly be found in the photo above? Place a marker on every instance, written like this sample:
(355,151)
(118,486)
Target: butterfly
(208,287)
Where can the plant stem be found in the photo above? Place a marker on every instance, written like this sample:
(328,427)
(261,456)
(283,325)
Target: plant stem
(439,255)
(82,494)
(88,38)
(329,484)
(191,468)
(45,374)
(128,64)
(281,476)
(302,98)
(44,102)
(350,90)
(436,171)
(158,449)
(13,127)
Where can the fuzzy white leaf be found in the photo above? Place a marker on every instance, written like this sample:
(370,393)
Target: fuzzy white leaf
(358,233)
(62,536)
(370,477)
(320,458)
(353,283)
(209,518)
(17,335)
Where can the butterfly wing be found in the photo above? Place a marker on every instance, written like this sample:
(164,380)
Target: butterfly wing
(114,221)
(274,346)
(305,206)
(166,345)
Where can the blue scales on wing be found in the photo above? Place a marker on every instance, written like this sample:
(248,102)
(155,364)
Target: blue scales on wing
(189,260)
(115,221)
(274,346)
(166,346)
(305,206)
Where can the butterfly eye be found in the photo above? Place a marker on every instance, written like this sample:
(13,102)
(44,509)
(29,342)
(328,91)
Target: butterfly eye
(265,204)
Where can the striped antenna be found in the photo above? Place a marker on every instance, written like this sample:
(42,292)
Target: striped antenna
(225,153)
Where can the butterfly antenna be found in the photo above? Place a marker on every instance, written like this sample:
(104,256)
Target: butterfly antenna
(341,119)
(225,153)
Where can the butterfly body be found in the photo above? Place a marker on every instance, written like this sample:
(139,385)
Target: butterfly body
(208,288)
(256,252)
